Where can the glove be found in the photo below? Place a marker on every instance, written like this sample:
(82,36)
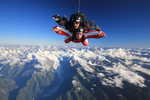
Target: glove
(56,17)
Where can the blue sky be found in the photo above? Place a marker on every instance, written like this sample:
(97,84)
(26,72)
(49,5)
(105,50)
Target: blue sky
(126,22)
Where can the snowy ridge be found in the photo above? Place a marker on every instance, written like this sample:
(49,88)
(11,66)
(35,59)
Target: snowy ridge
(117,65)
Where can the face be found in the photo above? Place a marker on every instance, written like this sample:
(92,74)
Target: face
(76,25)
(79,36)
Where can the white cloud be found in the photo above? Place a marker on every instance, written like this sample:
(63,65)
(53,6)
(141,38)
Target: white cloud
(49,58)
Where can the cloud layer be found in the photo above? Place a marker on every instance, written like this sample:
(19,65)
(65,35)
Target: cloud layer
(112,67)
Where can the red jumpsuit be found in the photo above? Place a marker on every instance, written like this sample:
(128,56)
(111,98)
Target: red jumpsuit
(84,41)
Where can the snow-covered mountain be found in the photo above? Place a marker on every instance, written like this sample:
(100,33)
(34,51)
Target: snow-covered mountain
(69,73)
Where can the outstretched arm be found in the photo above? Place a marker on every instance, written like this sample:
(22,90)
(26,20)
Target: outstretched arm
(97,30)
(101,34)
(63,21)
(60,31)
(92,29)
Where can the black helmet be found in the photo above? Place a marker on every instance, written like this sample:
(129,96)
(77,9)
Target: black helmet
(77,18)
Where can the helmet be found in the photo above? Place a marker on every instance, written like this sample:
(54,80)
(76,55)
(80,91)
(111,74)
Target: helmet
(77,18)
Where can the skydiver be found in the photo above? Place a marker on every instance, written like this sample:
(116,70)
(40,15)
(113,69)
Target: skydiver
(78,26)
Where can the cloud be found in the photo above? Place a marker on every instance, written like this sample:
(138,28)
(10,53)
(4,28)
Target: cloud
(117,65)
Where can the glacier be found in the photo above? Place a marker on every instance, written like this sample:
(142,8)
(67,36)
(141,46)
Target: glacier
(40,73)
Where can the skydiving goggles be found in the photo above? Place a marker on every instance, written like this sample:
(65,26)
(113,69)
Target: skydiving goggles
(76,22)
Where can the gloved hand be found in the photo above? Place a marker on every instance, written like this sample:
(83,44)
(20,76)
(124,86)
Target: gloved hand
(101,34)
(56,17)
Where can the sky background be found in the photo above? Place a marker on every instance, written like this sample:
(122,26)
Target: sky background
(126,22)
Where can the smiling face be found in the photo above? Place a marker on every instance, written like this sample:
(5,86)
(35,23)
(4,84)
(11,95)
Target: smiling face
(76,25)
(79,36)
